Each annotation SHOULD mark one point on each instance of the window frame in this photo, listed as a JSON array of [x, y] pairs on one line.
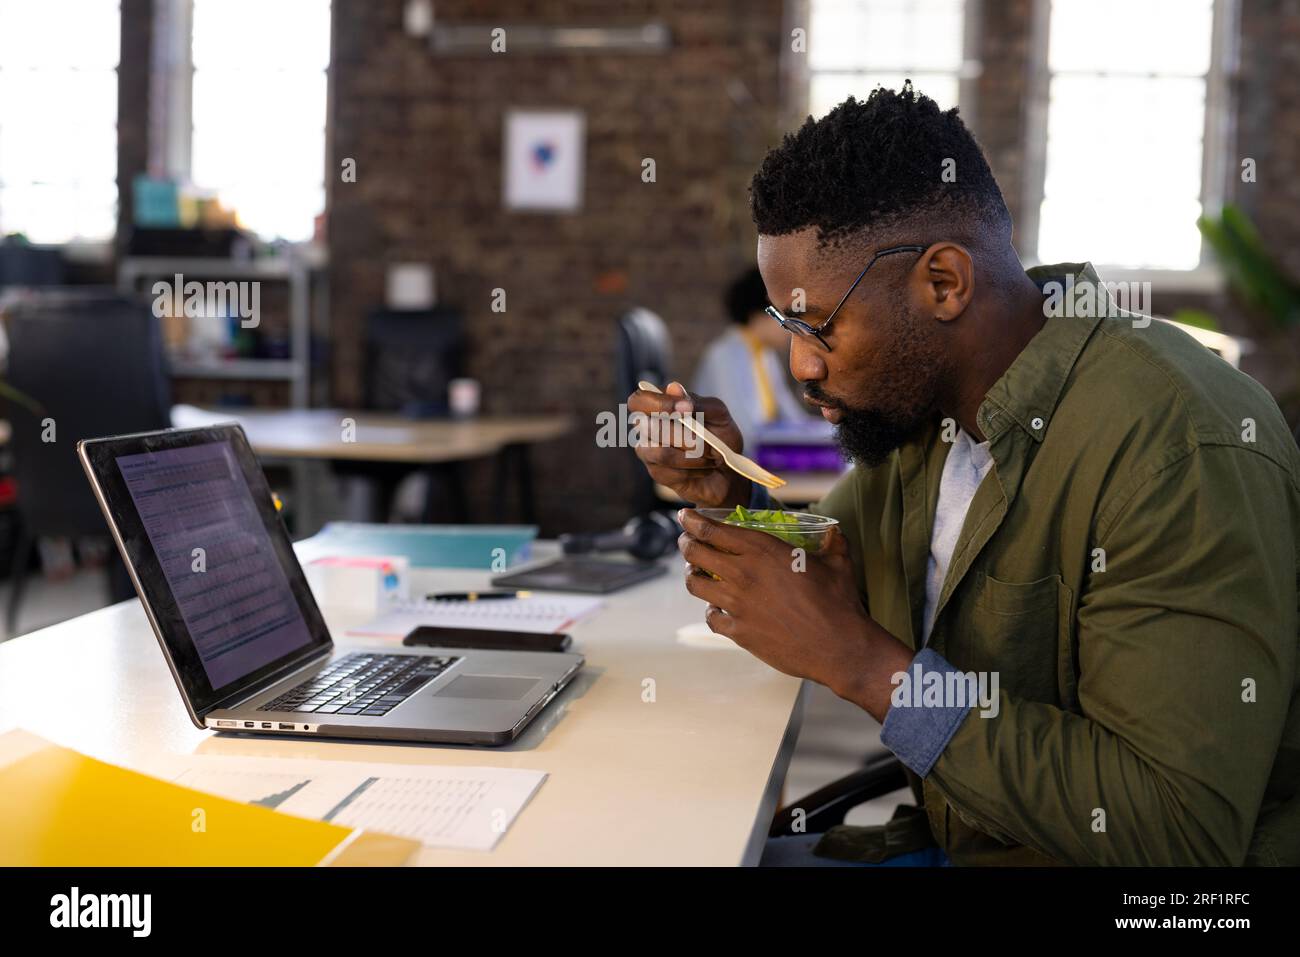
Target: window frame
[[171, 119], [967, 74], [1217, 138], [97, 251]]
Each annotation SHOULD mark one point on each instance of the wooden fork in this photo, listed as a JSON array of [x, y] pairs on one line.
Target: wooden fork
[[738, 463]]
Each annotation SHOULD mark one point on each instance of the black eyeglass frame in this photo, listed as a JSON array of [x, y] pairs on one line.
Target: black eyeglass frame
[[807, 329]]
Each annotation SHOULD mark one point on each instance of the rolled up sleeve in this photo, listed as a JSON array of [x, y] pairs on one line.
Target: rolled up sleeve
[[918, 735]]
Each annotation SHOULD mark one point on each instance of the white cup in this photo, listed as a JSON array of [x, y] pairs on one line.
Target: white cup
[[463, 397]]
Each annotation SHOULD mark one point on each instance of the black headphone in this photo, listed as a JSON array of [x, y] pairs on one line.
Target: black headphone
[[646, 537]]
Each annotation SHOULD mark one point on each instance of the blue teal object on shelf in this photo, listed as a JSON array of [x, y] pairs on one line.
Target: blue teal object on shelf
[[156, 202], [428, 546]]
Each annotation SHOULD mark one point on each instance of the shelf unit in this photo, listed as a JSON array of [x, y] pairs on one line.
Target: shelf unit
[[295, 267]]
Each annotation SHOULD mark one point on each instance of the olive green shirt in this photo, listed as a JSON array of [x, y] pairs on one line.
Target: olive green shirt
[[1129, 568]]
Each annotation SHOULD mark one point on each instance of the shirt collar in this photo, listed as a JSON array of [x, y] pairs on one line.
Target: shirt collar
[[1028, 392]]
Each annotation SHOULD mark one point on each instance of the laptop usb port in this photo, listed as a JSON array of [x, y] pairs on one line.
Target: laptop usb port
[[285, 727], [250, 724]]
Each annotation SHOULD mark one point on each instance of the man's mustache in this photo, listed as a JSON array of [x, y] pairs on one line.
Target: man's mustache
[[814, 394]]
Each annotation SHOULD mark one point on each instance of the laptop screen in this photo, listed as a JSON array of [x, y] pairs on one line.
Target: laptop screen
[[217, 558], [210, 557]]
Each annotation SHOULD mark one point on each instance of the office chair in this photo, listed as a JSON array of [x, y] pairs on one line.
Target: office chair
[[27, 266], [644, 351], [881, 774], [411, 356], [94, 364]]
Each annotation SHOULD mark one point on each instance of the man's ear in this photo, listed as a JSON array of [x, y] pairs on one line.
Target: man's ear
[[949, 280]]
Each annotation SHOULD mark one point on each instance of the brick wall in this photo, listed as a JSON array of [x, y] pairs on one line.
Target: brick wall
[[1268, 122], [1002, 92], [426, 134], [1267, 99]]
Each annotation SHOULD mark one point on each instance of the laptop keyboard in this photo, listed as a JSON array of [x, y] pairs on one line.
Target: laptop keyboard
[[362, 683]]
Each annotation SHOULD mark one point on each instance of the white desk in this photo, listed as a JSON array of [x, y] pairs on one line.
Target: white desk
[[690, 779]]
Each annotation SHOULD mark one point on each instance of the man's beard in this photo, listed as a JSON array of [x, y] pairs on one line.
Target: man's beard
[[867, 436]]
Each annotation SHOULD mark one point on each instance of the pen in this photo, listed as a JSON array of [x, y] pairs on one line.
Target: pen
[[476, 595]]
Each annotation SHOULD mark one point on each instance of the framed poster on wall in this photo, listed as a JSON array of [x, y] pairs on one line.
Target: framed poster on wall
[[543, 159]]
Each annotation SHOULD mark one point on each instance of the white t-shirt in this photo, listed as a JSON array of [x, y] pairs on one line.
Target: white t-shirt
[[967, 463]]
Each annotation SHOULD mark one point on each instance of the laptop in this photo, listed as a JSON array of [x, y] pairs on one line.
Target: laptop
[[196, 524]]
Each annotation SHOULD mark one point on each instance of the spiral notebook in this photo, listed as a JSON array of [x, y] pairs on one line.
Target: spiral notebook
[[536, 614]]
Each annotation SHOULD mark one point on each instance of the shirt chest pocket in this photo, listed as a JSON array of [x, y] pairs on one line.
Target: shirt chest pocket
[[1023, 631]]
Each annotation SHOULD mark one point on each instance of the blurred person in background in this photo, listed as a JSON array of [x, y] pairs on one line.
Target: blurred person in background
[[746, 368]]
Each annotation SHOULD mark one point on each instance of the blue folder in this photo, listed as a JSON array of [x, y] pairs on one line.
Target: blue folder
[[428, 546]]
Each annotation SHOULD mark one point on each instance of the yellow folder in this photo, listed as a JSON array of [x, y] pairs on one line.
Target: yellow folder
[[61, 808]]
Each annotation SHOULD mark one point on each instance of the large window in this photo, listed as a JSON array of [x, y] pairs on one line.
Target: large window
[[258, 110], [58, 119], [857, 45], [1125, 173]]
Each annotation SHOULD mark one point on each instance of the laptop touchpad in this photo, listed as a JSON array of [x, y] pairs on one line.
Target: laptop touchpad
[[492, 687]]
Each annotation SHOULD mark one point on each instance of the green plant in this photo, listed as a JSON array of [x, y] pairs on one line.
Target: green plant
[[1250, 266], [1271, 299]]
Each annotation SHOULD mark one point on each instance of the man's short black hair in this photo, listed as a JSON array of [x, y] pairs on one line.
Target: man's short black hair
[[746, 295], [879, 165]]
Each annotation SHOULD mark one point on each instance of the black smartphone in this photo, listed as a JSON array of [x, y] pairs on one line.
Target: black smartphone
[[439, 636]]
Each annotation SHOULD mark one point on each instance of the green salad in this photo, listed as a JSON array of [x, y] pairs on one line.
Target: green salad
[[761, 517]]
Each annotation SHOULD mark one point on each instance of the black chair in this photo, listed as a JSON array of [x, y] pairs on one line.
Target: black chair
[[827, 807], [29, 266], [644, 351], [93, 364], [411, 358]]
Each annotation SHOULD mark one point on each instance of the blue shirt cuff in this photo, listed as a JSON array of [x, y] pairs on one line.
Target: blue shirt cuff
[[758, 497], [916, 733]]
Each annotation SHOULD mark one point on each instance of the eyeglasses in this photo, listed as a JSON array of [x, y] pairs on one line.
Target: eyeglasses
[[802, 328]]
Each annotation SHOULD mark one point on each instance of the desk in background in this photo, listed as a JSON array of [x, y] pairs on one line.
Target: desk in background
[[318, 434], [690, 778]]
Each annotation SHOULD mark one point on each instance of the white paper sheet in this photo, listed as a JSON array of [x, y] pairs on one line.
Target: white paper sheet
[[537, 614], [458, 807]]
